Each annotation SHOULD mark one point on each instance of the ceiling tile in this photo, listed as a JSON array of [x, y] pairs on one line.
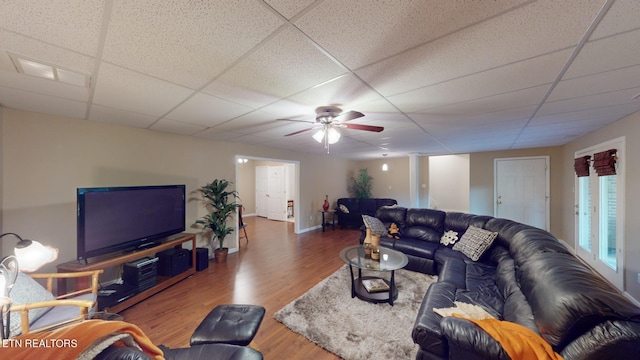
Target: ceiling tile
[[188, 43], [620, 79], [120, 117], [390, 26], [508, 38], [73, 25], [607, 99], [176, 127], [127, 90], [622, 16], [206, 110], [289, 8], [283, 66], [30, 101], [44, 86]]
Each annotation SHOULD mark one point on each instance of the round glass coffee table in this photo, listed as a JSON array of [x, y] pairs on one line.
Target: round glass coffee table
[[390, 260]]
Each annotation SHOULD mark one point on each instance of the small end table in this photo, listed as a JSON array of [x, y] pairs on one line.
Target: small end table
[[333, 219]]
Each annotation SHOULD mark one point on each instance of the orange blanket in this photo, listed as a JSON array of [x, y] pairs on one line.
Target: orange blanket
[[517, 341], [78, 341]]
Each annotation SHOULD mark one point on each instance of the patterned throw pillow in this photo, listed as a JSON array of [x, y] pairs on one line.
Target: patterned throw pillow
[[449, 238], [344, 209], [475, 242], [26, 290], [376, 226]]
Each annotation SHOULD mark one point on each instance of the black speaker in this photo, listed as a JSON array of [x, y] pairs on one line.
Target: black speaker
[[202, 259], [172, 262]]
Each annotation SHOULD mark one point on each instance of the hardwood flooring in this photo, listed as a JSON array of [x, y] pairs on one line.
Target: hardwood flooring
[[274, 268]]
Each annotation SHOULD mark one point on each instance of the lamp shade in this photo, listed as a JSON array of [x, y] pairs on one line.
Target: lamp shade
[[319, 135], [333, 136], [33, 256]]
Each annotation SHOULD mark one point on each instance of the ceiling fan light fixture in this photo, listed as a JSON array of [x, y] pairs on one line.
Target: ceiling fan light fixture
[[319, 135], [333, 136]]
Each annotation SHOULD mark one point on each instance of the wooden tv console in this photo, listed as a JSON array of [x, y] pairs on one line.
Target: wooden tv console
[[163, 282]]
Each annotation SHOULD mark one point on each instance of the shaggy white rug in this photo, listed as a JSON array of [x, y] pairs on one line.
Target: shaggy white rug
[[355, 329]]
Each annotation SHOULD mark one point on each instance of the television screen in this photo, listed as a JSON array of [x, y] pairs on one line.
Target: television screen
[[117, 218]]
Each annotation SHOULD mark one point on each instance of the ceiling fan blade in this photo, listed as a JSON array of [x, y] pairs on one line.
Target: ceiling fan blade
[[299, 132], [363, 127], [302, 121], [349, 115]]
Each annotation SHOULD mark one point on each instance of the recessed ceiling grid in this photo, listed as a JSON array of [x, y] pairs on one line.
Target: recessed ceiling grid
[[434, 74]]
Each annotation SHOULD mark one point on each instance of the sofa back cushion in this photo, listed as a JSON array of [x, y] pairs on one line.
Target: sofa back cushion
[[389, 215], [506, 229], [424, 224], [385, 202], [568, 298], [352, 204], [459, 222]]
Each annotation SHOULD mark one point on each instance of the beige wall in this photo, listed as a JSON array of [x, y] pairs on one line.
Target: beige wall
[[393, 184], [45, 158], [629, 127], [482, 187]]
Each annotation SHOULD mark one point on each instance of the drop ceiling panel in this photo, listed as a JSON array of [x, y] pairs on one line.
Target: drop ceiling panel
[[44, 86], [607, 54], [340, 26], [285, 65], [507, 39], [120, 117], [620, 79], [176, 127], [604, 114], [346, 91], [206, 110], [521, 75], [131, 91], [622, 16], [185, 42], [72, 25], [252, 123], [289, 8], [30, 101], [590, 102]]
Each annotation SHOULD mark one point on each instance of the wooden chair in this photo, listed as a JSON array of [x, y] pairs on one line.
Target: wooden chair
[[63, 309], [242, 225]]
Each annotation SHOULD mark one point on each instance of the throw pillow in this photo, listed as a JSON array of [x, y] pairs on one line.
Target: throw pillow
[[344, 209], [475, 242], [449, 238], [26, 290], [376, 226]]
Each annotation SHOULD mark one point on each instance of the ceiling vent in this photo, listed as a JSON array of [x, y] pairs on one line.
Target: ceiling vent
[[43, 70]]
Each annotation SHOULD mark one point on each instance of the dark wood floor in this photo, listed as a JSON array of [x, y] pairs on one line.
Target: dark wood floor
[[275, 267]]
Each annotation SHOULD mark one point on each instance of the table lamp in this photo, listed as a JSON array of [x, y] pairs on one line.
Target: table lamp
[[29, 256]]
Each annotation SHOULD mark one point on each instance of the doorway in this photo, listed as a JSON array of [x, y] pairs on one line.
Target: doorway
[[253, 192], [522, 190]]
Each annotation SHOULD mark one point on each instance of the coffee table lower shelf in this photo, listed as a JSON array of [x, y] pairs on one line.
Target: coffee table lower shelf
[[375, 297]]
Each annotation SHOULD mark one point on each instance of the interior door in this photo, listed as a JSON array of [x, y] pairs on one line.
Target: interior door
[[522, 190], [262, 190], [276, 195]]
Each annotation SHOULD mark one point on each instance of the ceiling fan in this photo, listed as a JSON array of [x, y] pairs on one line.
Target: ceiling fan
[[328, 120]]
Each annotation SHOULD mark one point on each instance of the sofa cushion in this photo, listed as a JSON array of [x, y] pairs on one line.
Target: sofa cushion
[[27, 290], [429, 218], [474, 242], [368, 206], [568, 298], [375, 225], [389, 215], [415, 247], [516, 308], [459, 222], [61, 314]]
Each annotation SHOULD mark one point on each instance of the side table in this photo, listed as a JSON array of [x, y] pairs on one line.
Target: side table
[[325, 221]]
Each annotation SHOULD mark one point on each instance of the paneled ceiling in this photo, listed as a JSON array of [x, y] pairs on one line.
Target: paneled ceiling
[[441, 77]]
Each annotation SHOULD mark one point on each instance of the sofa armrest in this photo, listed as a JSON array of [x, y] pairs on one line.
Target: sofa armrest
[[468, 341]]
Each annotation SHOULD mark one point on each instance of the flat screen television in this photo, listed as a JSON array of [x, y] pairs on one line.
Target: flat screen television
[[111, 219]]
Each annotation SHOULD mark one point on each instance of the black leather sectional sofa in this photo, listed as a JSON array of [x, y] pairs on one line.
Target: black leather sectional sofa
[[527, 276], [350, 210]]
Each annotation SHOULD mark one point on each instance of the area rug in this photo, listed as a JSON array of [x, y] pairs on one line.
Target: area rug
[[355, 329]]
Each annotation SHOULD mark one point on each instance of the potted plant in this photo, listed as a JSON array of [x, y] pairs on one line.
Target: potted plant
[[360, 187], [221, 203]]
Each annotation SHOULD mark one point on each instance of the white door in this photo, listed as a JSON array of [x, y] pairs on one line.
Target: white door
[[262, 190], [522, 190], [599, 211], [276, 195]]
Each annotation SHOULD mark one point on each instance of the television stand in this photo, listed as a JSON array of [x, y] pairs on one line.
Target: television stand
[[162, 283]]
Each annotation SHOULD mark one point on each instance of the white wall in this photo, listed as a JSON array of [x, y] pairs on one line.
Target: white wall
[[449, 182]]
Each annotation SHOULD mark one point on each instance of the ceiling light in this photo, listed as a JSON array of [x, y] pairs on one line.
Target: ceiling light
[[49, 71], [333, 135], [318, 136], [385, 167]]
